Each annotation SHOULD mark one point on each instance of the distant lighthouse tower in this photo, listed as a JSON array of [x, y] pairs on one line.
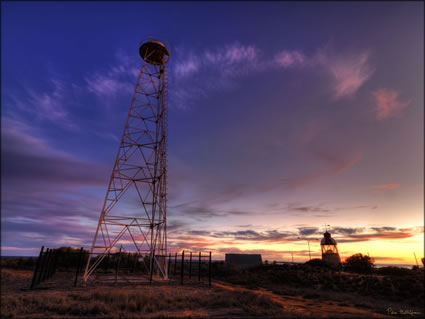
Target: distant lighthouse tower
[[330, 253]]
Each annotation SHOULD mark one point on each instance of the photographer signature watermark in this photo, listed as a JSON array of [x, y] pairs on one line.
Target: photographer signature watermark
[[410, 312]]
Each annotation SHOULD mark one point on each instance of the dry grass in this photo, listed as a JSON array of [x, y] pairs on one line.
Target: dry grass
[[132, 303], [283, 298], [388, 287]]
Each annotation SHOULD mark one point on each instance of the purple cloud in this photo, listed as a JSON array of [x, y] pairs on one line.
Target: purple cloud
[[27, 157], [286, 59]]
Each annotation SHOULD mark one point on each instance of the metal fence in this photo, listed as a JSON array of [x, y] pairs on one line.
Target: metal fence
[[50, 259], [190, 265], [184, 267]]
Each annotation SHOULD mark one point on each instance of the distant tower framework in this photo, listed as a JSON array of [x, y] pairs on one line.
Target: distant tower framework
[[134, 211]]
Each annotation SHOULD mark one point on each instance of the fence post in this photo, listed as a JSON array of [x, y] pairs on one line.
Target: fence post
[[78, 266], [42, 262], [175, 265], [128, 262], [152, 265], [45, 263], [136, 257], [169, 263], [117, 266], [49, 258], [50, 269], [199, 268], [55, 261], [209, 272], [52, 252], [182, 269], [46, 267], [190, 266], [83, 260], [37, 265]]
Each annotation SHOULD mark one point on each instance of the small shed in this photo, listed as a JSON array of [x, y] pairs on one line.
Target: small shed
[[243, 260]]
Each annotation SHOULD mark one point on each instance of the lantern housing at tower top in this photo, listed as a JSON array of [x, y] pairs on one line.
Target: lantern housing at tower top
[[154, 52]]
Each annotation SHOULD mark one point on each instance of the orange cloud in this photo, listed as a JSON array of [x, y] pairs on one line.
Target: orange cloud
[[386, 186], [387, 104]]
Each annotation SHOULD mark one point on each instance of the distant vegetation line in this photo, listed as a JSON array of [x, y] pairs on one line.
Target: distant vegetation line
[[377, 265]]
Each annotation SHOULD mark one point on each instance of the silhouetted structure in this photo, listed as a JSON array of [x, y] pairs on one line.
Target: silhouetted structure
[[243, 260], [330, 253]]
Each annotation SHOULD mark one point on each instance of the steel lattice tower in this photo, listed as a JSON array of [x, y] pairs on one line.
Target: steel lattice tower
[[134, 211]]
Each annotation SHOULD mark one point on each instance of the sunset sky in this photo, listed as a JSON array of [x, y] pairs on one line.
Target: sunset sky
[[283, 117]]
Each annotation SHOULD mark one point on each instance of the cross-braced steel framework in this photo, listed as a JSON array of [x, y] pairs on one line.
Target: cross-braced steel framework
[[134, 211]]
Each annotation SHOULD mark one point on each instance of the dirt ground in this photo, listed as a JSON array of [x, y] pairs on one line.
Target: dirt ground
[[133, 297]]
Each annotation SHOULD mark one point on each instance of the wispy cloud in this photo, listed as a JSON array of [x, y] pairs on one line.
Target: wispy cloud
[[306, 231], [337, 165], [247, 235], [118, 79], [228, 61], [384, 229], [214, 238], [388, 104], [187, 67], [235, 57], [360, 234], [341, 234], [211, 197], [198, 74], [347, 230], [349, 73], [201, 210], [26, 155], [50, 104], [44, 202], [287, 59], [386, 186], [106, 85], [318, 210], [309, 209]]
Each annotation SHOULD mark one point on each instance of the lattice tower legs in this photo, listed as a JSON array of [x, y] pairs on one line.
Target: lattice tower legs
[[134, 211]]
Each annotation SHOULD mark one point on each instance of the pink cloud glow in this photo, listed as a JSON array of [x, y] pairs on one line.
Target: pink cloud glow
[[349, 74], [387, 103], [386, 186], [290, 58]]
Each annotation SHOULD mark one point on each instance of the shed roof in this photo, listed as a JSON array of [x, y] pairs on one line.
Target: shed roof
[[243, 260]]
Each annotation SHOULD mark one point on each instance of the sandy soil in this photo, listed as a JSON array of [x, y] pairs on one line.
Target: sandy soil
[[314, 308]]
